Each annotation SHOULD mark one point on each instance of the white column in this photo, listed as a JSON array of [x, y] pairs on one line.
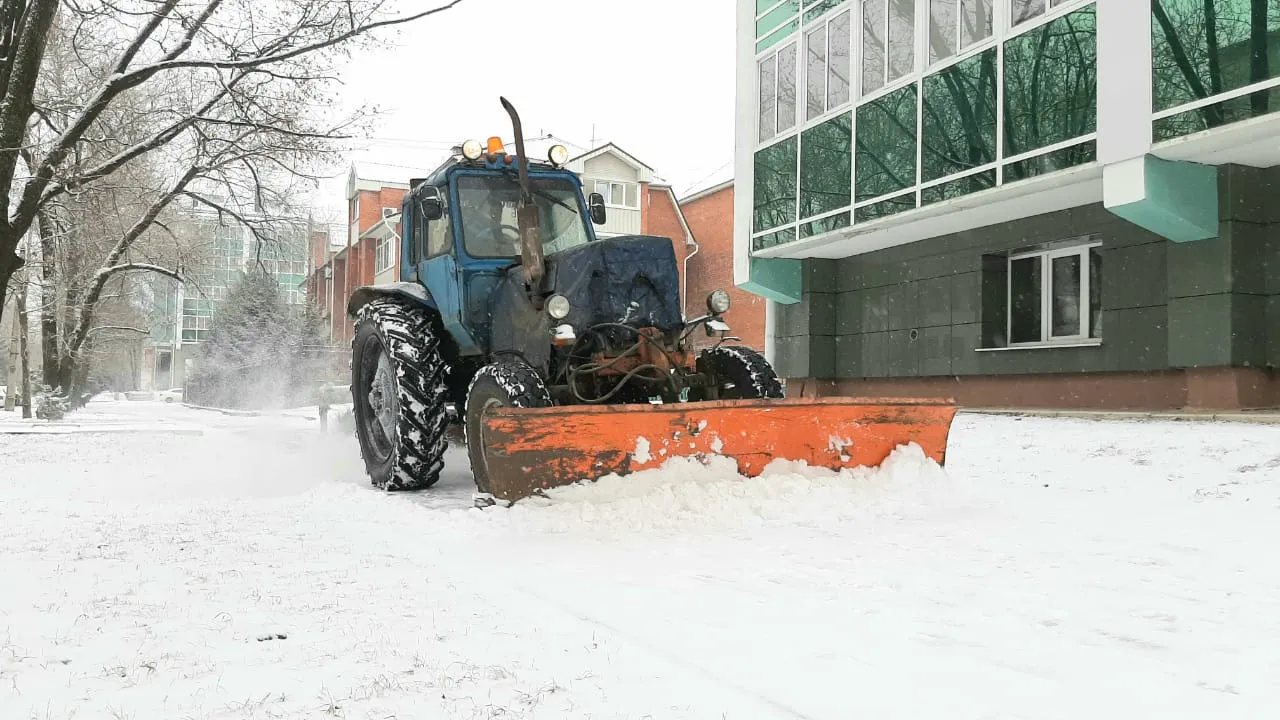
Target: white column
[[1124, 80], [744, 140]]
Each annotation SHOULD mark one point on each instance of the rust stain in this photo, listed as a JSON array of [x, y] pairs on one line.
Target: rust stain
[[538, 449]]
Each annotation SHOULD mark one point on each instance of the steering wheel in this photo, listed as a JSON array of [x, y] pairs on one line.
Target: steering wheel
[[514, 231]]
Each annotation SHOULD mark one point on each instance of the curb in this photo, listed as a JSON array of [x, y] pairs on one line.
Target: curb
[[1253, 417], [225, 411]]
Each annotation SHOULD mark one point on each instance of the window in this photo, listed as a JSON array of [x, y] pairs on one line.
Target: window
[[1021, 11], [384, 254], [619, 194], [888, 42], [827, 66], [956, 25], [1200, 50], [1055, 295], [1050, 84], [777, 87]]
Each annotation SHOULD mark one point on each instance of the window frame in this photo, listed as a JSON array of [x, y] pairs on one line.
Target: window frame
[[823, 24], [794, 44], [609, 184], [1083, 250]]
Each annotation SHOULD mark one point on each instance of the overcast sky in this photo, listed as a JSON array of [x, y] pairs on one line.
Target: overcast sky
[[654, 77]]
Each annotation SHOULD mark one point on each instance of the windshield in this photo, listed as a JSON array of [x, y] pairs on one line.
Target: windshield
[[487, 204]]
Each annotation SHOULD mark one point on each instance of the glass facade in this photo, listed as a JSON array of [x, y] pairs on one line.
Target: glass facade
[[232, 248], [1203, 50], [872, 108]]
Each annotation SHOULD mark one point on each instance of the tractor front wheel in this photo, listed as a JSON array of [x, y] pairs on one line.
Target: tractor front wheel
[[397, 391], [740, 373], [505, 383]]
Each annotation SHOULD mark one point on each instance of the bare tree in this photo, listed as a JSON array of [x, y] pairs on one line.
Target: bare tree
[[218, 103], [227, 92]]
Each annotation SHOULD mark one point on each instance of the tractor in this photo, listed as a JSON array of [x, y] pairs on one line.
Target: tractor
[[563, 356]]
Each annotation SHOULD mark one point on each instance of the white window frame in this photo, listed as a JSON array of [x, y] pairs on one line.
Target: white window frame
[[608, 194], [780, 133], [1047, 256], [828, 110], [384, 257]]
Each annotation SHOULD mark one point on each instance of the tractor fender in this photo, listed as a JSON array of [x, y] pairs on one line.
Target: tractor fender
[[412, 292]]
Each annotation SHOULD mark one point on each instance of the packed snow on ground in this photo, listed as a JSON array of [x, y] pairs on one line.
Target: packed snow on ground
[[211, 566]]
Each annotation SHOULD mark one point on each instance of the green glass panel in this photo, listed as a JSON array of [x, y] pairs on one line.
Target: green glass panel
[[1227, 111], [762, 5], [815, 9], [960, 117], [773, 239], [886, 152], [777, 17], [1060, 159], [885, 208], [825, 225], [1050, 83], [782, 34], [775, 185], [1200, 49], [956, 188], [826, 166]]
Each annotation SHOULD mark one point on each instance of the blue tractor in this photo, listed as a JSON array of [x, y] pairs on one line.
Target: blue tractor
[[508, 300]]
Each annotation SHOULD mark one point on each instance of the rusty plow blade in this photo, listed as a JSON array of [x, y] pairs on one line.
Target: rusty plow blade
[[529, 450]]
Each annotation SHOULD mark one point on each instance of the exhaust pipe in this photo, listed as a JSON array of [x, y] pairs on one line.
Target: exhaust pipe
[[527, 217]]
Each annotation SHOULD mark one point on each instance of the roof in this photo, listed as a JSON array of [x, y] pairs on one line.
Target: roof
[[706, 192], [611, 147]]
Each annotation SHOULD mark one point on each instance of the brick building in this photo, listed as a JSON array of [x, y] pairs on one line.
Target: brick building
[[709, 267], [360, 256]]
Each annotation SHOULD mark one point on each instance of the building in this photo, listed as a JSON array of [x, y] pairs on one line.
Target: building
[[181, 314], [709, 267], [1014, 202], [369, 253]]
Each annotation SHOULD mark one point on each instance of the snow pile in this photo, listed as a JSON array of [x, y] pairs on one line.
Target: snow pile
[[688, 495]]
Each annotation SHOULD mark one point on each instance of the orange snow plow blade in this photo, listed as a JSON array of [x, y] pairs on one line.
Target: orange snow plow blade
[[530, 450]]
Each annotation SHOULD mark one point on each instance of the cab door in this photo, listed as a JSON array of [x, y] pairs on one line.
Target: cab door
[[439, 271]]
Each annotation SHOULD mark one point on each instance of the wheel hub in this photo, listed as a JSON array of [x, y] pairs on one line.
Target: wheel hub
[[382, 400]]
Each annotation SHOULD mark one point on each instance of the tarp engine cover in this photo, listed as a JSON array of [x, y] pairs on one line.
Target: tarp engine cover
[[632, 280]]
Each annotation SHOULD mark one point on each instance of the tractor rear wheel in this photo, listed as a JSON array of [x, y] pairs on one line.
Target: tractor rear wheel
[[397, 388], [505, 383], [740, 373]]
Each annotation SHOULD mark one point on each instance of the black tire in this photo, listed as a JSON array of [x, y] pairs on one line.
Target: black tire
[[411, 455], [740, 373], [504, 383]]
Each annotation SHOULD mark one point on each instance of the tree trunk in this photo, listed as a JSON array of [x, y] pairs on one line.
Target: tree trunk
[[9, 264], [49, 296], [1260, 60], [24, 357]]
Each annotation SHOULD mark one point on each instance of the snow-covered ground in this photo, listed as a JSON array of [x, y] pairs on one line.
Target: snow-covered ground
[[210, 566]]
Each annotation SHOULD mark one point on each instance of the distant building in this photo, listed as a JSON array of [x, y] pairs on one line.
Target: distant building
[[182, 313]]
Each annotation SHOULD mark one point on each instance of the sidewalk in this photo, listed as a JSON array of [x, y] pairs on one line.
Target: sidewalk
[[1262, 416]]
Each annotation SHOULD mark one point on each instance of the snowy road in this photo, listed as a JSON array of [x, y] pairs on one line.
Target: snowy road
[[204, 566]]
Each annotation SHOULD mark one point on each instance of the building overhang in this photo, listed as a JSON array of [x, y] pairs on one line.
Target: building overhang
[[1254, 142]]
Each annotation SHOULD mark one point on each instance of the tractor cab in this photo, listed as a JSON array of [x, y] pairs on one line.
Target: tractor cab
[[462, 233]]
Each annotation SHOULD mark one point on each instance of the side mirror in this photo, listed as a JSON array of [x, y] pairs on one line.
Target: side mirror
[[595, 201], [430, 203]]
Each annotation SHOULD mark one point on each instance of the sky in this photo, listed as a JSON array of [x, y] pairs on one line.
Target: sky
[[656, 78]]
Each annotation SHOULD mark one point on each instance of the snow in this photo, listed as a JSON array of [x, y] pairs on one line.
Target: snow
[[1056, 568]]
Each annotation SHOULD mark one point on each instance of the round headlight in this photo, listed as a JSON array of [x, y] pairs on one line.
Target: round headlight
[[558, 307], [558, 155], [718, 302], [472, 149]]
